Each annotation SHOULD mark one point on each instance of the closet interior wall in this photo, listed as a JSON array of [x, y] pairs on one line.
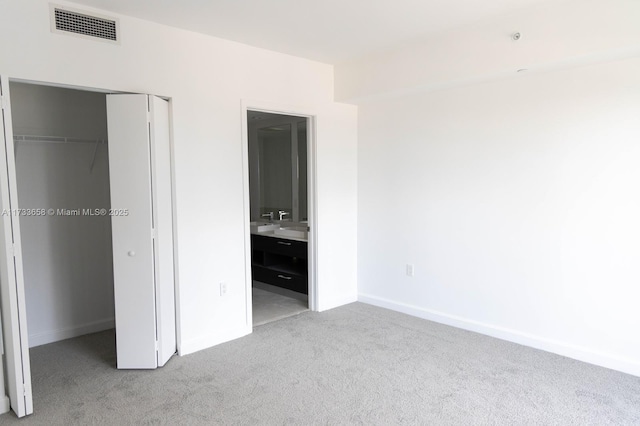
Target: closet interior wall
[[68, 265]]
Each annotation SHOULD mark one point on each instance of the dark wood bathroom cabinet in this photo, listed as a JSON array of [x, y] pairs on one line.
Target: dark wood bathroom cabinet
[[280, 262]]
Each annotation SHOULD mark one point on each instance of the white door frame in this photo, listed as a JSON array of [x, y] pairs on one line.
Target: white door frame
[[312, 210], [12, 290]]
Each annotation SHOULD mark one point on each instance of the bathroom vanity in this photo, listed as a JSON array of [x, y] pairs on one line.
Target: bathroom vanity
[[279, 261]]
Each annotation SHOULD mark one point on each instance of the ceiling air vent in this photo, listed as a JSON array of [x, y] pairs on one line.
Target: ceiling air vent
[[69, 21]]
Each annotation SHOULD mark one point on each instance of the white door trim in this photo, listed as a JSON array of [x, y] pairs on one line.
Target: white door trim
[[16, 337], [311, 114]]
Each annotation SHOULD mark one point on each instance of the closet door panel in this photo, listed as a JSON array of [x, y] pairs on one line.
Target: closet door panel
[[133, 251], [163, 218], [14, 316]]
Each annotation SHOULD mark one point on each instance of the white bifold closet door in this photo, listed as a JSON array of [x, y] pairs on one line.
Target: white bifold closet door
[[140, 180], [140, 177], [14, 312]]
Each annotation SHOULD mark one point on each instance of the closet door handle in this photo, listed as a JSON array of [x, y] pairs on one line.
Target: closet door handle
[[284, 277], [131, 253], [284, 243]]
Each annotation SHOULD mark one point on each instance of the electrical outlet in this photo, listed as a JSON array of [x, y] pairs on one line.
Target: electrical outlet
[[409, 270], [223, 289]]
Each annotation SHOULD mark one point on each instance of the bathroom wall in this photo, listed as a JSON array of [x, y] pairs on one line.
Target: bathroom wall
[[67, 259]]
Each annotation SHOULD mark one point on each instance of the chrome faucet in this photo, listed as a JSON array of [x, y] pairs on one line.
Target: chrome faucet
[[282, 214], [269, 215]]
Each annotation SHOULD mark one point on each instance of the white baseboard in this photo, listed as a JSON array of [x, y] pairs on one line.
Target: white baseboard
[[613, 362], [325, 305], [5, 405], [205, 342], [51, 336]]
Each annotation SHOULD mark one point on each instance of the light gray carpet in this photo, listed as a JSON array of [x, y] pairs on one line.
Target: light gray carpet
[[357, 364], [268, 306]]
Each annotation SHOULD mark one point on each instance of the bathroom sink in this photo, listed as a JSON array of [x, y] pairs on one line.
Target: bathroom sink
[[263, 226], [292, 231]]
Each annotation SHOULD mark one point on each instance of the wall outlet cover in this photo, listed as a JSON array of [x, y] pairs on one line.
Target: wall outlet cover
[[409, 270]]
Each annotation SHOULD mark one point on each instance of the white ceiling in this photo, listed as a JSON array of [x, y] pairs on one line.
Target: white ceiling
[[330, 31]]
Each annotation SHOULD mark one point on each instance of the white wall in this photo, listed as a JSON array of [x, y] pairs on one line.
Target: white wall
[[207, 80], [53, 111], [517, 201], [68, 270]]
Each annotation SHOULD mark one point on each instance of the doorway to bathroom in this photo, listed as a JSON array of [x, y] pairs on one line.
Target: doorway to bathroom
[[278, 172]]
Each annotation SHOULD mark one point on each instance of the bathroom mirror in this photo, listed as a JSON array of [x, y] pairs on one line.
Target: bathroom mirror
[[302, 170], [275, 168], [277, 165]]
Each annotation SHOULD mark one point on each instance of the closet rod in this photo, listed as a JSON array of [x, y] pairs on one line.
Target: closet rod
[[55, 139]]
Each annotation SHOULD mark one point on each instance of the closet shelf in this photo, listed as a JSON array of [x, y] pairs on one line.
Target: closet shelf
[[55, 139], [62, 139]]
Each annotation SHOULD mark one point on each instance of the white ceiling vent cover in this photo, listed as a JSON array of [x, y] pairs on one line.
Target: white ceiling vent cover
[[84, 24]]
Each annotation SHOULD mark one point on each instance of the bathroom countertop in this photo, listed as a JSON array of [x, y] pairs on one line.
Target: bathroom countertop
[[273, 235]]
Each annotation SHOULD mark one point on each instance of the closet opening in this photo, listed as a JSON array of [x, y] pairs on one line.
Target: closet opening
[[86, 234], [62, 176]]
